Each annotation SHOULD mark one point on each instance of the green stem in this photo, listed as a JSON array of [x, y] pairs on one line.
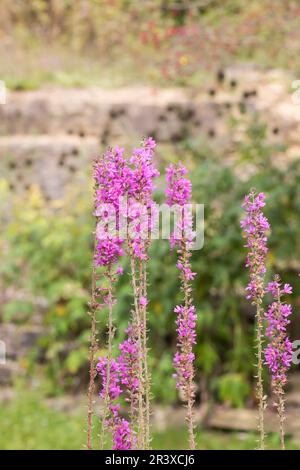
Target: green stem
[[92, 352], [259, 384]]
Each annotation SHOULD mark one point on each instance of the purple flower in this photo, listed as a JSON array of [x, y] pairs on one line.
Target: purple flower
[[123, 201], [287, 289], [179, 189], [114, 382], [272, 287], [255, 226], [143, 172], [143, 301], [128, 364], [186, 334], [112, 176], [122, 436], [278, 353], [178, 193], [122, 381], [108, 251]]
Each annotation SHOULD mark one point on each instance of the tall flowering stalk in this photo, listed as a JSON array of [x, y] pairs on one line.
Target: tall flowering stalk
[[124, 210], [178, 195], [255, 226], [108, 176], [93, 307], [140, 218], [278, 353]]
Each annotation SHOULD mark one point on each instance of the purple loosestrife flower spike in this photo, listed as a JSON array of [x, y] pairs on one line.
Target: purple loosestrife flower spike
[[255, 227], [179, 189], [278, 353], [141, 211], [141, 206], [124, 192], [111, 176], [178, 195]]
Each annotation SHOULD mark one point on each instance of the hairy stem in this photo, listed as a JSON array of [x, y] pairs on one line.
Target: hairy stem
[[281, 414], [92, 371], [190, 392], [109, 355], [259, 383], [92, 353], [137, 328], [190, 414], [143, 283]]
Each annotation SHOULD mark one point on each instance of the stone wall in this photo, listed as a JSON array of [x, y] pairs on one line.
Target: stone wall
[[47, 136]]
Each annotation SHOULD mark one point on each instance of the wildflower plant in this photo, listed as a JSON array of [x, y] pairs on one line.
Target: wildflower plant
[[125, 214], [108, 177], [140, 214], [255, 227], [279, 351], [178, 194], [126, 217]]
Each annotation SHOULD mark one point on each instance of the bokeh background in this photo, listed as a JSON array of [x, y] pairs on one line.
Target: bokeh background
[[214, 82]]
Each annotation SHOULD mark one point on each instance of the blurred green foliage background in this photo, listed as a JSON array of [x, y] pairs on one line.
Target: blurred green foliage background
[[164, 42]]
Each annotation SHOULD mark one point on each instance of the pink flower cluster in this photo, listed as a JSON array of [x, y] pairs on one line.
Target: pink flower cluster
[[112, 178], [121, 432], [143, 172], [128, 363], [123, 193], [278, 353], [179, 189], [114, 387], [186, 271], [122, 436], [184, 357], [141, 212], [179, 192], [122, 380], [178, 196], [108, 251], [255, 227]]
